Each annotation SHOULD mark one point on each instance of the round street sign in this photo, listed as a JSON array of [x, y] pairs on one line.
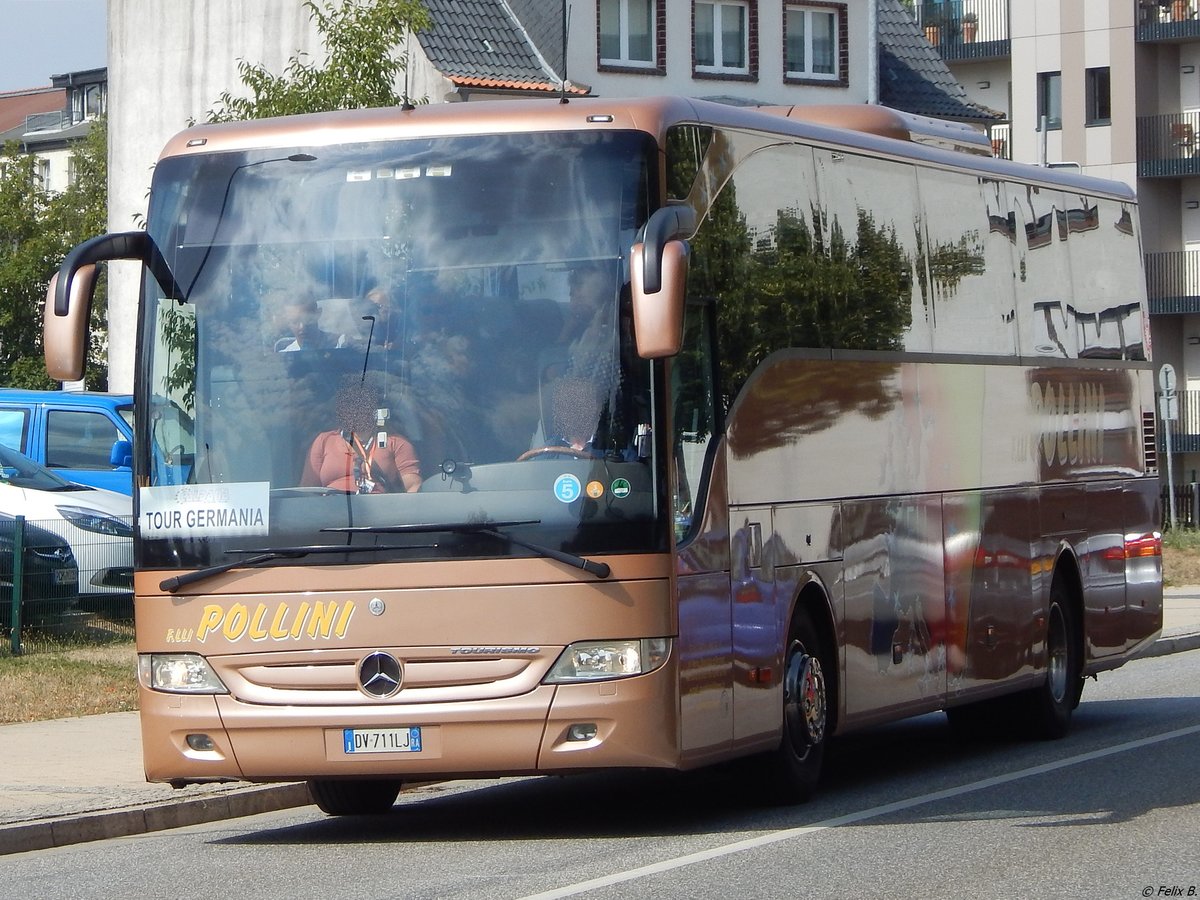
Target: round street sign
[[1166, 378]]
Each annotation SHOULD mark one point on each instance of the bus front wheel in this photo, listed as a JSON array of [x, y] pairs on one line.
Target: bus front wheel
[[353, 798], [796, 763]]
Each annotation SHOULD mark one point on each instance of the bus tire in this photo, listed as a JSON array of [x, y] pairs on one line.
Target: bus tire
[[795, 766], [1048, 708], [353, 798]]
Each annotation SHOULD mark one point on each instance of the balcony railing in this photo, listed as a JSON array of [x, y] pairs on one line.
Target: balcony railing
[[1002, 140], [966, 29], [1165, 20], [47, 121], [1168, 146], [1173, 282]]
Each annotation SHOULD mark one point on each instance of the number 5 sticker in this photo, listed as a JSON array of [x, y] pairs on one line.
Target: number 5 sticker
[[567, 488]]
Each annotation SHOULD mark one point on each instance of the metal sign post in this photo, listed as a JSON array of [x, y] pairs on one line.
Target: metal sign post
[[1168, 411]]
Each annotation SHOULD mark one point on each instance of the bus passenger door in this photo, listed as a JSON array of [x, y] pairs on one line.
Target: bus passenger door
[[757, 666]]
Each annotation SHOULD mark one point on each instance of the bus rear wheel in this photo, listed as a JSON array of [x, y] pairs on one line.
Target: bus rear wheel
[[1049, 706], [353, 798], [796, 764]]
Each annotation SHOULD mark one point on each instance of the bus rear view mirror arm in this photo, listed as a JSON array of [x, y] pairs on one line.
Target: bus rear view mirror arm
[[69, 297], [666, 224], [136, 245], [658, 272]]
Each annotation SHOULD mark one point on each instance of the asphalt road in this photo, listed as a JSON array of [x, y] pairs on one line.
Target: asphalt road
[[906, 811]]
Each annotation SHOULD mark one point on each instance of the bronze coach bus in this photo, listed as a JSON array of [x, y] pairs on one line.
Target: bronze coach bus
[[537, 437]]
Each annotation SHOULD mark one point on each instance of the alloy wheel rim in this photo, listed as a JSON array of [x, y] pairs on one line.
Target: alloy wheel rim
[[804, 701]]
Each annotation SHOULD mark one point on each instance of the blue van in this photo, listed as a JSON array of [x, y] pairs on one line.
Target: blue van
[[84, 436]]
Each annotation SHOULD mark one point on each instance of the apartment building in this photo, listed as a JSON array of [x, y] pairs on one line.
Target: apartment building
[[47, 121], [1111, 87]]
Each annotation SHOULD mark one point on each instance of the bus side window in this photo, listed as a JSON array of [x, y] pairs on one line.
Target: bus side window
[[693, 395]]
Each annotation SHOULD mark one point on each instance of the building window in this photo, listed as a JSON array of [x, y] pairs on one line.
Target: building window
[[722, 44], [72, 171], [629, 33], [1050, 99], [43, 173], [1099, 108], [814, 43]]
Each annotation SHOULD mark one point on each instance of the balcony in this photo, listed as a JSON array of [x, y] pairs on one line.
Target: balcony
[[1168, 146], [1173, 282], [1167, 20], [966, 29]]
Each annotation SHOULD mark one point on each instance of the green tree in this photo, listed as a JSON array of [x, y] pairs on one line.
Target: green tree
[[360, 37], [37, 228]]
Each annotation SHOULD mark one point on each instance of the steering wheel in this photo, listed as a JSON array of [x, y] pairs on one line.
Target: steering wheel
[[563, 451]]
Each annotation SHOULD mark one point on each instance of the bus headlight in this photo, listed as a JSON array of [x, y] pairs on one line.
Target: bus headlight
[[179, 673], [602, 660]]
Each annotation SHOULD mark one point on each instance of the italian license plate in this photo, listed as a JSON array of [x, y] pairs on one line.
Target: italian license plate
[[381, 740]]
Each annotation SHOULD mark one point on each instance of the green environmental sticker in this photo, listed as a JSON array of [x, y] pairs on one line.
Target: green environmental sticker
[[620, 488]]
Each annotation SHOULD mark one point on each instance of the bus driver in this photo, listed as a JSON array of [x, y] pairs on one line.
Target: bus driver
[[358, 456]]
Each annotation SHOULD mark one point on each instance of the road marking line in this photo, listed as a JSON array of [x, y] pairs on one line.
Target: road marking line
[[851, 818]]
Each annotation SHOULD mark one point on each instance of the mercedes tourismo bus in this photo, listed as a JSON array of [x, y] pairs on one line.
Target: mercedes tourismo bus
[[858, 425]]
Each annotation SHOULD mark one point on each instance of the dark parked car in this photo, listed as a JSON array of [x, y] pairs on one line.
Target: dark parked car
[[51, 577]]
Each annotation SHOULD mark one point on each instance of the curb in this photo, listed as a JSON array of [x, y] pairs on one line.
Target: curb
[[44, 834], [1179, 642]]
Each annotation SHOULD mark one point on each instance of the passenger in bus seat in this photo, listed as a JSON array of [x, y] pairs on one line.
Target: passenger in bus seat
[[360, 456], [302, 317]]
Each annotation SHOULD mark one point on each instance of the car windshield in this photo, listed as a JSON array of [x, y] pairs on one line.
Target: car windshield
[[419, 332], [20, 471]]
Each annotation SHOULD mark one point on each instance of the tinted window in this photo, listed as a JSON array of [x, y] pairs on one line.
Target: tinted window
[[13, 423], [79, 440]]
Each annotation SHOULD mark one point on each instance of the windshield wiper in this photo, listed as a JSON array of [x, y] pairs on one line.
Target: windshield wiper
[[491, 529], [174, 583]]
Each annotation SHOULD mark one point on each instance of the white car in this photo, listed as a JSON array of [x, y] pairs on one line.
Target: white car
[[96, 523]]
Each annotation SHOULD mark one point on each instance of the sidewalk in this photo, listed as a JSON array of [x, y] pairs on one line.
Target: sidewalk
[[68, 781]]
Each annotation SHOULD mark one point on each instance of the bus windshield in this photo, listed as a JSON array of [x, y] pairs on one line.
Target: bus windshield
[[425, 332]]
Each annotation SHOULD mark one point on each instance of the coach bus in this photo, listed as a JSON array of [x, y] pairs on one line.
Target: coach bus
[[539, 437]]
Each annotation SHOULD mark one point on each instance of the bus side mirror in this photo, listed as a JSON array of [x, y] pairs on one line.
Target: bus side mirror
[[658, 315], [658, 281], [65, 336]]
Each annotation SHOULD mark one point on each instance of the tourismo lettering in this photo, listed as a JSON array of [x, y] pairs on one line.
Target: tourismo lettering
[[281, 622]]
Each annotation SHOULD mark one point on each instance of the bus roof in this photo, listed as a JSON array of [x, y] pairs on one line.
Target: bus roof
[[870, 129]]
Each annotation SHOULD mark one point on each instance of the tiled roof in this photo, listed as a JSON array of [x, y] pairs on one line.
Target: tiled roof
[[517, 45], [913, 77], [480, 43]]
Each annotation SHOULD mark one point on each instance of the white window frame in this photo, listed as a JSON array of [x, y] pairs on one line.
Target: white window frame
[[807, 74], [623, 36], [717, 68]]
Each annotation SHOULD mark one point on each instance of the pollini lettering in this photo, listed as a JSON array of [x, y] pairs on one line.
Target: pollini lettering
[[276, 622], [1070, 423]]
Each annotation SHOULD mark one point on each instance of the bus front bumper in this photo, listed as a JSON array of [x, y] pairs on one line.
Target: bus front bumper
[[631, 722]]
